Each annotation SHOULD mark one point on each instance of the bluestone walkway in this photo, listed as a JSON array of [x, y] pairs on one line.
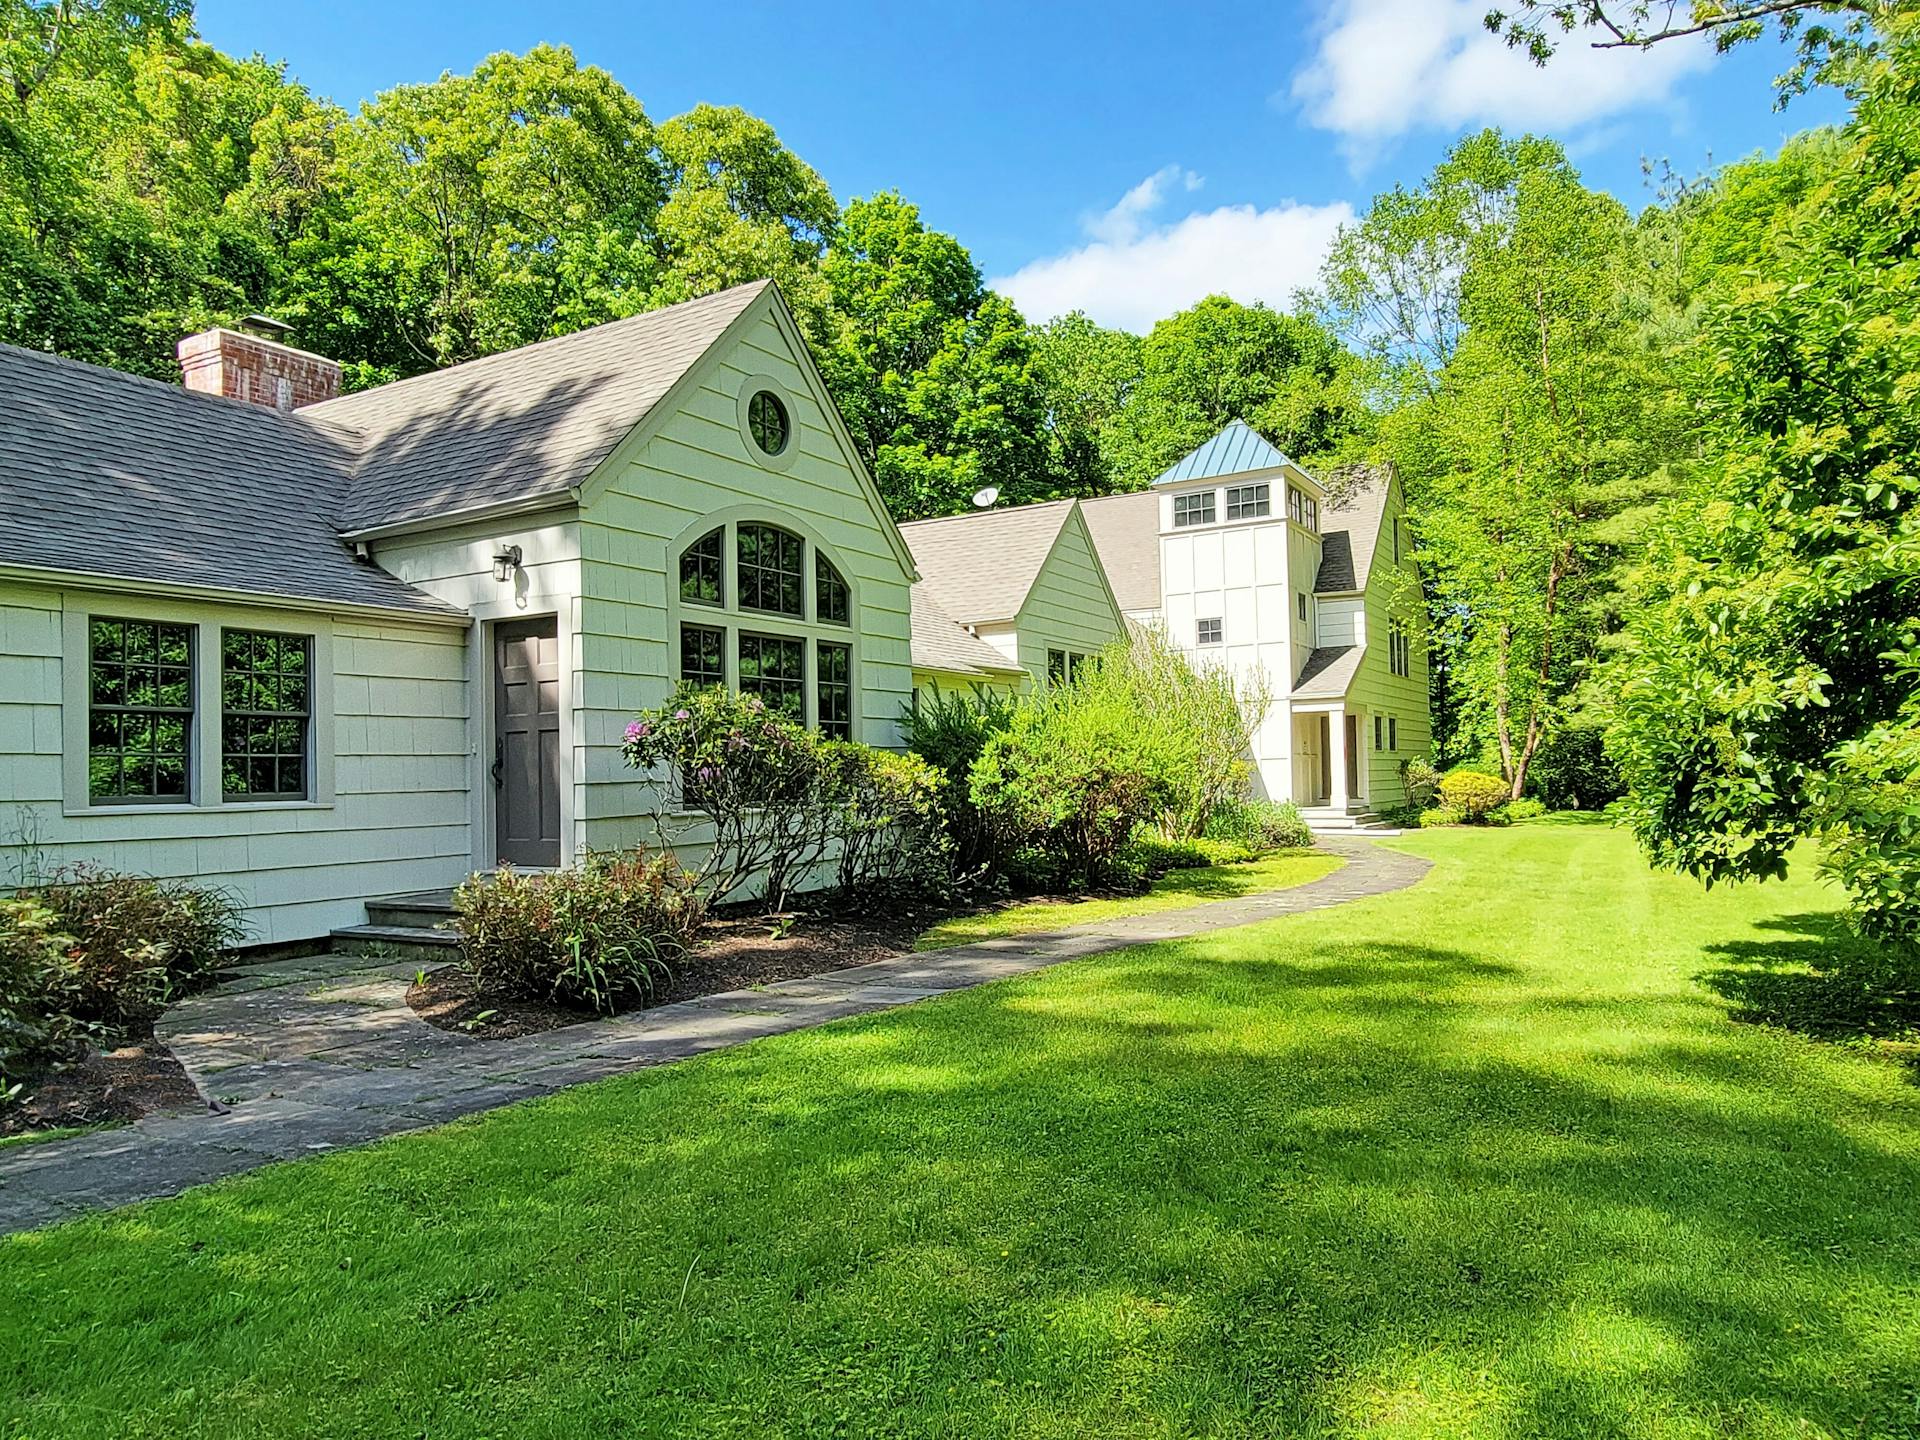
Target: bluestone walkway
[[305, 1055]]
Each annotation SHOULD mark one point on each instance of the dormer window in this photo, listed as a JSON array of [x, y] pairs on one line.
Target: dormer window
[[1193, 509], [1302, 508]]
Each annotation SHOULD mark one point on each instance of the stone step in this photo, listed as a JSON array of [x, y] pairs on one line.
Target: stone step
[[422, 909], [413, 940]]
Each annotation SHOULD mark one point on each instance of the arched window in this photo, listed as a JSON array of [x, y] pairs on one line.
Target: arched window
[[779, 625]]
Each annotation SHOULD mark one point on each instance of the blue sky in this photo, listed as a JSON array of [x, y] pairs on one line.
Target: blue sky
[[1125, 158]]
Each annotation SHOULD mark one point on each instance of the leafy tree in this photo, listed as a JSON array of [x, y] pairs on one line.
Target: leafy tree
[[1088, 374], [1285, 375], [740, 206], [1769, 691], [480, 212], [934, 373]]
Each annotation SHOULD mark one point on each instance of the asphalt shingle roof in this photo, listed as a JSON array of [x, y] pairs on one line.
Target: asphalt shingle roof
[[109, 474], [1328, 672], [104, 473], [980, 567], [1126, 533], [1350, 528], [941, 643]]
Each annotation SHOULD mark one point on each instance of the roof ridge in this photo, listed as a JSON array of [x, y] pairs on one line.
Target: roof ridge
[[978, 514], [164, 387], [316, 412]]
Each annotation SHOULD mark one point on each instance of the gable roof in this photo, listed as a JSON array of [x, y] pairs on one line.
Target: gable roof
[[941, 643], [981, 567], [113, 475], [519, 425], [1235, 450], [1126, 535], [1358, 502]]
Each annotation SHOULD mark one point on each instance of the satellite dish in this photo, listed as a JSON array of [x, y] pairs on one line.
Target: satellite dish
[[984, 498]]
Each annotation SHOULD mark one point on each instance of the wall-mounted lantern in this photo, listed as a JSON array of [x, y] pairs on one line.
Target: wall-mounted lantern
[[506, 563]]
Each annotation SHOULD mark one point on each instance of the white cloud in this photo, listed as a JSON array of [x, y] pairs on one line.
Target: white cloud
[[1384, 68], [1133, 272]]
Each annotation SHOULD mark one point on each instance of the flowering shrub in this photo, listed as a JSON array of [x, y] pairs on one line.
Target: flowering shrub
[[780, 800], [610, 928]]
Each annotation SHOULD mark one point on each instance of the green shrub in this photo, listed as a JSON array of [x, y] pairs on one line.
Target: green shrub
[[39, 983], [948, 730], [1198, 717], [1075, 774], [1226, 852], [887, 822], [1156, 855], [589, 937], [1263, 825], [1525, 808], [1473, 793], [1571, 770], [1421, 782], [1441, 815], [137, 942], [1402, 817]]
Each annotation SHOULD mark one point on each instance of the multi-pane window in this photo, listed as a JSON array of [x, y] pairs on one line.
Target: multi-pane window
[[831, 603], [1302, 508], [1194, 509], [703, 655], [700, 565], [833, 690], [1399, 649], [770, 570], [140, 711], [266, 688], [774, 668], [1247, 502], [1062, 664], [1210, 631]]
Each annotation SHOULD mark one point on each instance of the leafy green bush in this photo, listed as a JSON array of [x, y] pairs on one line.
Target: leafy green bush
[[1226, 852], [1263, 825], [1525, 808], [137, 942], [887, 821], [1199, 717], [1441, 815], [609, 928], [1420, 781], [1156, 855], [1571, 770], [1074, 775], [39, 983], [1474, 794], [948, 730]]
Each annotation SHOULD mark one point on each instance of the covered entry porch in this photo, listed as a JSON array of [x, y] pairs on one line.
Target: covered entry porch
[[1327, 750]]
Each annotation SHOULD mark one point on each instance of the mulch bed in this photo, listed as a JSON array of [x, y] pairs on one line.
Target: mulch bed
[[139, 1078], [737, 952]]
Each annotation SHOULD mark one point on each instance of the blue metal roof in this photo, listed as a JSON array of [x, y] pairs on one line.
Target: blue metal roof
[[1233, 451]]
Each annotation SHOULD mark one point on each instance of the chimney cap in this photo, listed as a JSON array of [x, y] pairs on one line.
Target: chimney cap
[[265, 326]]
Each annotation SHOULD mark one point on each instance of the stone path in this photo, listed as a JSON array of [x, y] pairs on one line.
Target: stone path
[[306, 1055]]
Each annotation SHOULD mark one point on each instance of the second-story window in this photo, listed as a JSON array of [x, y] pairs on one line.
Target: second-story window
[[1211, 631], [1302, 508], [1194, 509], [1249, 502]]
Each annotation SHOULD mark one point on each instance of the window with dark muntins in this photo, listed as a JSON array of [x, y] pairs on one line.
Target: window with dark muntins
[[833, 690], [1248, 502], [700, 565], [703, 655], [831, 603], [774, 668], [1194, 509], [767, 422], [770, 570], [140, 711], [266, 688]]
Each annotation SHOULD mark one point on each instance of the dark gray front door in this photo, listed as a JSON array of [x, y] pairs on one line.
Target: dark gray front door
[[526, 728]]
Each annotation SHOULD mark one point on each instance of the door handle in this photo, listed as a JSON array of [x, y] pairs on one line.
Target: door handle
[[499, 763]]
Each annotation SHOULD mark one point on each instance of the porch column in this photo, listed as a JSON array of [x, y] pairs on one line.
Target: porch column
[[1337, 759]]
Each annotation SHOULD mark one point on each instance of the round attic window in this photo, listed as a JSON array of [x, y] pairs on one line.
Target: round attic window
[[767, 422]]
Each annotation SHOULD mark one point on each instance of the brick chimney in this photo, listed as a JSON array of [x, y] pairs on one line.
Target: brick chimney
[[257, 370]]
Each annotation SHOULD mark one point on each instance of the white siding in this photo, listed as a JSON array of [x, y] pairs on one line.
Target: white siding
[[391, 708]]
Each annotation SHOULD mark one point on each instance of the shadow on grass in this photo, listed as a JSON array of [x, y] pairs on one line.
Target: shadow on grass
[[1822, 980]]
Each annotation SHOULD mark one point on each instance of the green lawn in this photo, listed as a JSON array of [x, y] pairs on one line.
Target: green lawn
[[1175, 890], [1487, 1157]]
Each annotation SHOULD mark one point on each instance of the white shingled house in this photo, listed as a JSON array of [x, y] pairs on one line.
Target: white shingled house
[[1247, 560], [321, 648]]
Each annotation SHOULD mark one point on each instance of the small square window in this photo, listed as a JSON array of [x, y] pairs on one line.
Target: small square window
[[1249, 502], [1194, 509], [1210, 631]]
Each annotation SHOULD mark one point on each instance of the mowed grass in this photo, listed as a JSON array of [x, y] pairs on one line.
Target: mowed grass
[[1481, 1158], [1175, 890]]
